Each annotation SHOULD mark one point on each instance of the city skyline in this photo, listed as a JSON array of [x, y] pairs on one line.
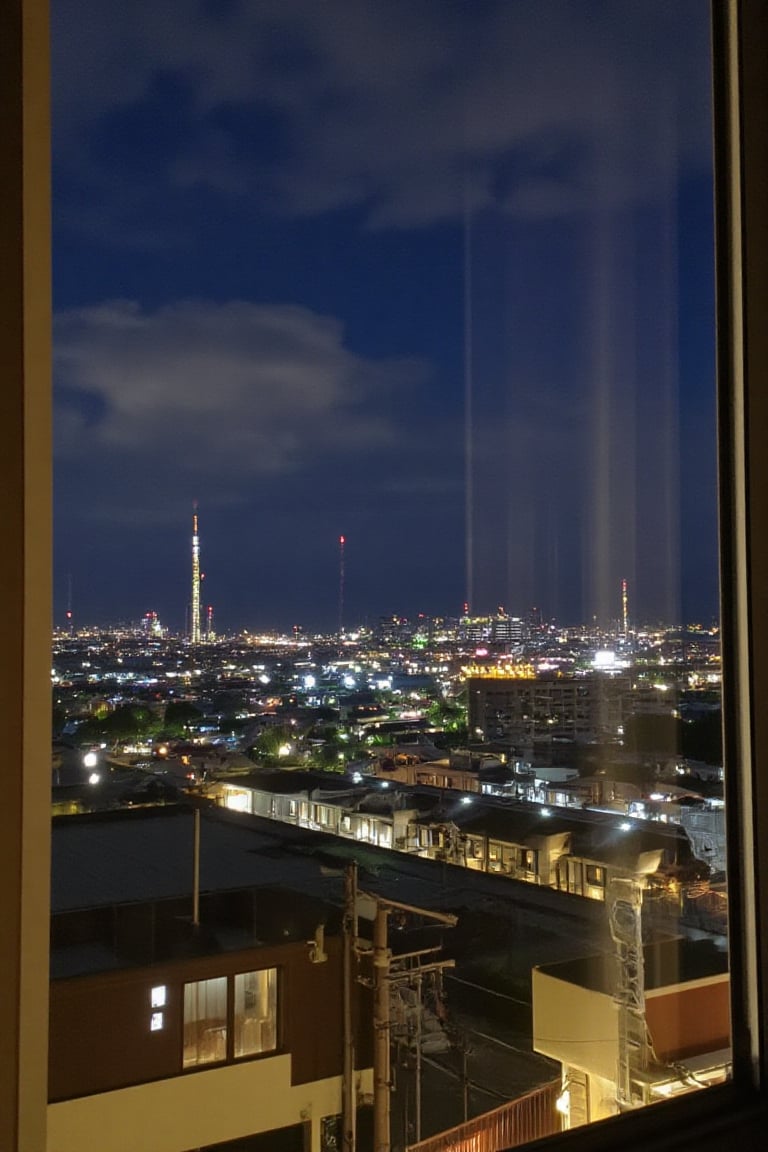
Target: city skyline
[[434, 278], [621, 624]]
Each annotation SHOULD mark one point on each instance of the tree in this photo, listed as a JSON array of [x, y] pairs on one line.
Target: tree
[[179, 716], [125, 723], [275, 745]]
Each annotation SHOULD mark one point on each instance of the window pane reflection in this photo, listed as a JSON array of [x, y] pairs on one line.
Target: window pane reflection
[[255, 1012], [448, 289], [205, 1021]]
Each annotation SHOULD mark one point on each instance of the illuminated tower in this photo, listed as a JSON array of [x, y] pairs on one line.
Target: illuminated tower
[[342, 542], [624, 609], [194, 631], [70, 618]]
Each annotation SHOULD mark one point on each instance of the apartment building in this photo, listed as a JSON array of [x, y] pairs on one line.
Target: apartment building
[[533, 716]]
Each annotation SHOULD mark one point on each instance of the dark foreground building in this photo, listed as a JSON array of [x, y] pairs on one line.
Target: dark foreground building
[[168, 1034]]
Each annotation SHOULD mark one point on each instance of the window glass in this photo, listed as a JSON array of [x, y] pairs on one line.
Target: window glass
[[255, 1017], [158, 996], [423, 292], [205, 1021]]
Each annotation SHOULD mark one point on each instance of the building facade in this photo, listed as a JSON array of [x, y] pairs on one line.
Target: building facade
[[532, 715]]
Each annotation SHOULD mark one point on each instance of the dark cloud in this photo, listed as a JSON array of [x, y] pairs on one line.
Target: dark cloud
[[216, 396], [406, 109]]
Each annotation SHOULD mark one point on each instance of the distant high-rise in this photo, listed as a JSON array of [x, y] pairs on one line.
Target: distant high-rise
[[194, 630]]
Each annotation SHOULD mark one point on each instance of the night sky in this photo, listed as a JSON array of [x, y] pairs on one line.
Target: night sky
[[431, 274]]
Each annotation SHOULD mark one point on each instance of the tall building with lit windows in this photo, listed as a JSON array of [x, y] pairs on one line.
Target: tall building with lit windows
[[536, 715]]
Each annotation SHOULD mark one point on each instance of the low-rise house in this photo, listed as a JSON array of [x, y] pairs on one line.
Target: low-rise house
[[682, 988]]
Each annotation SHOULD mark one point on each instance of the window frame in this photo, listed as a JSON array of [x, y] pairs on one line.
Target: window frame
[[737, 1110], [230, 1019], [740, 50], [734, 1111]]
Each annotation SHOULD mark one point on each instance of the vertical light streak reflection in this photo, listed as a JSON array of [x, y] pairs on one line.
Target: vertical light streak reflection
[[469, 531]]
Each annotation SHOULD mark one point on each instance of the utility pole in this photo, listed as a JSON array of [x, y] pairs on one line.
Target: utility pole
[[196, 869], [381, 1030], [382, 979], [349, 1095], [464, 1080], [418, 1059]]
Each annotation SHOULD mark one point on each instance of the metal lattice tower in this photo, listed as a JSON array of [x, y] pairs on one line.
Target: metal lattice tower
[[625, 904]]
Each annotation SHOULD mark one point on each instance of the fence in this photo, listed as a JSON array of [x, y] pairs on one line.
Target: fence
[[528, 1118]]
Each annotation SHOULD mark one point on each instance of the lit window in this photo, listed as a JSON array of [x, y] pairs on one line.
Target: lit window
[[158, 996], [205, 1021], [156, 1021], [255, 1015], [237, 800]]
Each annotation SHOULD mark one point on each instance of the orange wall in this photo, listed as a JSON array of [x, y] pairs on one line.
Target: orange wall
[[689, 1020]]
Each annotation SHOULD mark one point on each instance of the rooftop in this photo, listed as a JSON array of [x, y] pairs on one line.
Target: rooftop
[[666, 963]]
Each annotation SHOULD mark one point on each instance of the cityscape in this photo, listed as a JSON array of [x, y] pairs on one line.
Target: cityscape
[[387, 776], [479, 766]]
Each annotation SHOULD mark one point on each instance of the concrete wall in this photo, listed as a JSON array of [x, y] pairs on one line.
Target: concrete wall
[[189, 1112], [575, 1025]]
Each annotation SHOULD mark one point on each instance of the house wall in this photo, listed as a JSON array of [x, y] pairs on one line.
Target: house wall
[[687, 1019], [191, 1111], [579, 1028], [575, 1025], [100, 1037]]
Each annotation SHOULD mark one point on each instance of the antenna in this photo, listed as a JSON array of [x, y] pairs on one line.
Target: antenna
[[70, 622]]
